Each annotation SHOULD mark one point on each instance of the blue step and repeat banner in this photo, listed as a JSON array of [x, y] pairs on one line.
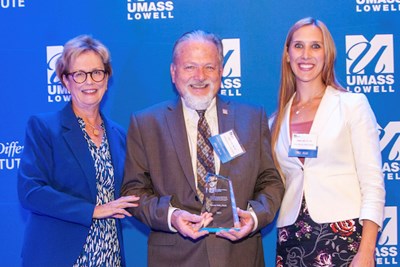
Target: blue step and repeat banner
[[140, 35]]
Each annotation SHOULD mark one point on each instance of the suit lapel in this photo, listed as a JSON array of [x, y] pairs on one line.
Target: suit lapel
[[329, 102], [177, 131], [285, 140], [226, 122], [79, 148]]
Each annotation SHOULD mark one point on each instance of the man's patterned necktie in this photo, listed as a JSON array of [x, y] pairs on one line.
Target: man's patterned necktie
[[205, 154]]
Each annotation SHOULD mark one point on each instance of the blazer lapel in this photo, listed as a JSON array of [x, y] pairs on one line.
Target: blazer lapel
[[226, 122], [285, 139], [177, 131], [79, 148], [329, 102]]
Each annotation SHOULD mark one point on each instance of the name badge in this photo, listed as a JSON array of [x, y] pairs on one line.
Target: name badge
[[303, 146], [227, 146]]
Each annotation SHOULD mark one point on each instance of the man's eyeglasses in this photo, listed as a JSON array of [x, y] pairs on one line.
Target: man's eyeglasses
[[81, 76]]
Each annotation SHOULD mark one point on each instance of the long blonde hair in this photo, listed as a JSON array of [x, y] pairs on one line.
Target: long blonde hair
[[288, 80]]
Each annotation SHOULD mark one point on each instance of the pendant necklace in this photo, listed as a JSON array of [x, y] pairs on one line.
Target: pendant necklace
[[308, 102], [301, 108], [96, 129]]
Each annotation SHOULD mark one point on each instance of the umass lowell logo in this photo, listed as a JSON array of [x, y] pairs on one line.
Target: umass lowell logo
[[149, 10], [370, 64], [231, 76], [386, 251], [390, 146], [56, 92]]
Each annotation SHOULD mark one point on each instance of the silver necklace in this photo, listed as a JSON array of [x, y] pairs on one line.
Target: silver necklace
[[95, 128]]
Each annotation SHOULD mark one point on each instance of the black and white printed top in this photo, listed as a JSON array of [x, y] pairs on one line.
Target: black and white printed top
[[102, 247]]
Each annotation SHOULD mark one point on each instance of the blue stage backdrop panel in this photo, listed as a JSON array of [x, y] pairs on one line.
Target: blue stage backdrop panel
[[140, 35]]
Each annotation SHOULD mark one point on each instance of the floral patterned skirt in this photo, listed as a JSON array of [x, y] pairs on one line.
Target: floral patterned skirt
[[309, 244]]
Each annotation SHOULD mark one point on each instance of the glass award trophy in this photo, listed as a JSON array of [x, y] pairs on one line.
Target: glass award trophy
[[219, 199]]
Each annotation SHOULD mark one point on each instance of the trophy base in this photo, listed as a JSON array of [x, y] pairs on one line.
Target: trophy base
[[216, 230]]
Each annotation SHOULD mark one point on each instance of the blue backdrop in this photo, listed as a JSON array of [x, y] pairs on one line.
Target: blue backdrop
[[140, 35]]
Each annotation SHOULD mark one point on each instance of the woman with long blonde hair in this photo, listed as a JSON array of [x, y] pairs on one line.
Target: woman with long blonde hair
[[326, 146]]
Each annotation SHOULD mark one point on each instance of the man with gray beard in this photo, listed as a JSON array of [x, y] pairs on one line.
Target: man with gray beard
[[164, 168]]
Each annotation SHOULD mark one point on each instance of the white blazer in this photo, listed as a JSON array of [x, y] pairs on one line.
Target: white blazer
[[345, 181]]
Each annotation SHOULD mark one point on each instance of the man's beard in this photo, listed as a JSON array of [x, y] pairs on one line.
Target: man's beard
[[198, 102]]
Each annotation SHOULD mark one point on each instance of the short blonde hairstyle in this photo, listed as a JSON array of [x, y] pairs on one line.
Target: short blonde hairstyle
[[75, 47]]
